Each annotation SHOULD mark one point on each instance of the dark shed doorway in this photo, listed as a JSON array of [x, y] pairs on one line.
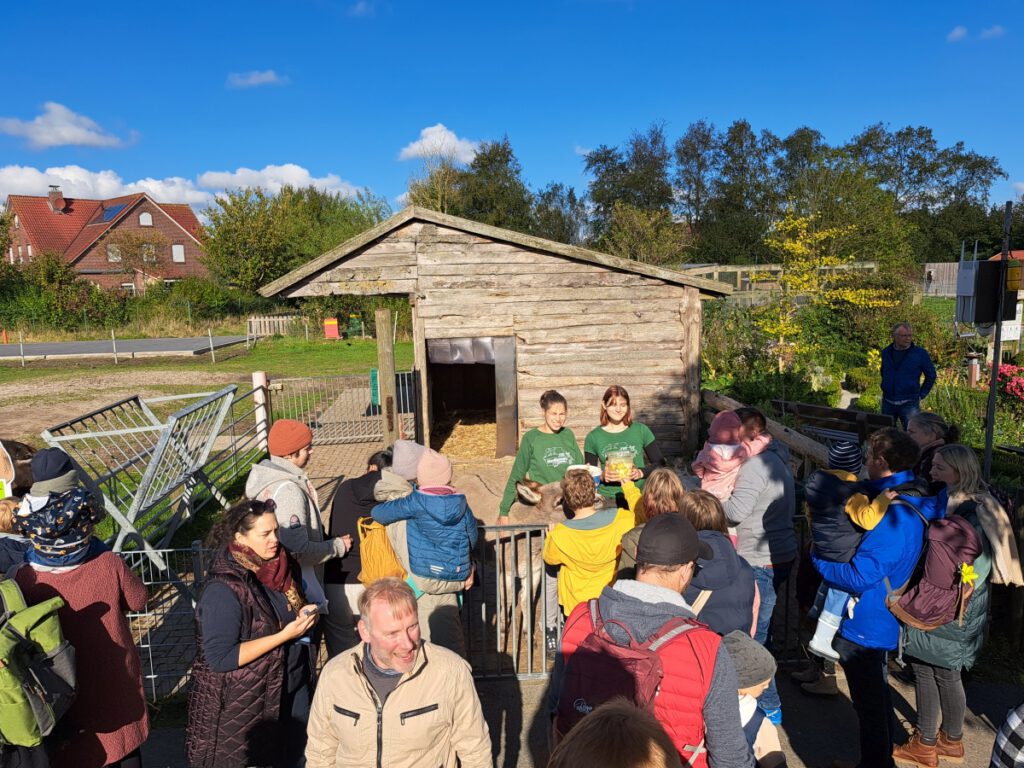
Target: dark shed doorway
[[473, 396]]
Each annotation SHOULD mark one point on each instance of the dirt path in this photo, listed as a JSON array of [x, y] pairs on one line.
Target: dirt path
[[27, 408]]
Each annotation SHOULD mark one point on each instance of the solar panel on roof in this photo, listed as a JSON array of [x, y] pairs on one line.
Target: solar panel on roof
[[111, 212]]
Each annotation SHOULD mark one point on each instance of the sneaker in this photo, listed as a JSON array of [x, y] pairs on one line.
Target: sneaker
[[551, 640], [948, 749], [774, 716], [823, 686], [915, 753]]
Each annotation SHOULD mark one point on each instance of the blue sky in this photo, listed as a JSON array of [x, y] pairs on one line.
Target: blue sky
[[185, 99]]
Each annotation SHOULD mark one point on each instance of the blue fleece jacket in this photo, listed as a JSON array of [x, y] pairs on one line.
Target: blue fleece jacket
[[441, 531], [890, 551], [902, 371]]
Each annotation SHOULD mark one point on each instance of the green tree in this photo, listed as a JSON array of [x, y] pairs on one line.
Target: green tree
[[317, 220], [491, 190], [140, 251], [558, 214], [637, 176], [6, 222], [651, 237], [246, 239], [699, 156]]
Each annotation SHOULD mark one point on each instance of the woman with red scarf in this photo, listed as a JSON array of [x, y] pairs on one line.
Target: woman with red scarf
[[251, 681]]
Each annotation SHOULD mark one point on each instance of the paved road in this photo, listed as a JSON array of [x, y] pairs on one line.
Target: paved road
[[125, 348]]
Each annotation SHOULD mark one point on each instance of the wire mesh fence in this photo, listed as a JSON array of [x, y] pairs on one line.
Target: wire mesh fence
[[343, 409]]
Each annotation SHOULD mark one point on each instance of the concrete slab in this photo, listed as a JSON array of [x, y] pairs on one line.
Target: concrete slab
[[126, 348]]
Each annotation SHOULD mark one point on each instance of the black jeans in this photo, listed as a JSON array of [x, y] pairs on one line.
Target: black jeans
[[869, 691], [940, 691]]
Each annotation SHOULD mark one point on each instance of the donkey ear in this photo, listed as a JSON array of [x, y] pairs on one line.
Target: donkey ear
[[529, 492]]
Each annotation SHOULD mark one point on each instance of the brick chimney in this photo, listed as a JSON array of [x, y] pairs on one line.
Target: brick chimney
[[56, 199]]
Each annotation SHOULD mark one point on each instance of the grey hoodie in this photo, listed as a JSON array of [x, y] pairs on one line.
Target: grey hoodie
[[298, 515]]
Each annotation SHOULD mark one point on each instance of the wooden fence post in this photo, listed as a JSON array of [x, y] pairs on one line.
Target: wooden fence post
[[261, 397], [386, 374]]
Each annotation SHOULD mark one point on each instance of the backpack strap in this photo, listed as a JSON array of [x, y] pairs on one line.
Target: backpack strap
[[668, 631], [701, 601]]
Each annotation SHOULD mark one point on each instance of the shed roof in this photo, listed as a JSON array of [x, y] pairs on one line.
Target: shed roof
[[329, 259]]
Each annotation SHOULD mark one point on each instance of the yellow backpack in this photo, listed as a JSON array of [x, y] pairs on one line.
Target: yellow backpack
[[376, 553]]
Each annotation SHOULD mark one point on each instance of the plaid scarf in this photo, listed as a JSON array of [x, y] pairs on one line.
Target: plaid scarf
[[273, 574]]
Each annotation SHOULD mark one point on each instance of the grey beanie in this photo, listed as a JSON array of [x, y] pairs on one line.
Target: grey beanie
[[405, 457], [754, 663]]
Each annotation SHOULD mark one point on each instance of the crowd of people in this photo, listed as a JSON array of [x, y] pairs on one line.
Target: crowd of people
[[662, 589]]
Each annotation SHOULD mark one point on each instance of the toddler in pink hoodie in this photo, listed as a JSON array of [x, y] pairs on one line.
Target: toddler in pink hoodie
[[728, 446]]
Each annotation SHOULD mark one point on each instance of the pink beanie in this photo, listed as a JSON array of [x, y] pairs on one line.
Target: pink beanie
[[434, 469], [725, 429], [288, 436]]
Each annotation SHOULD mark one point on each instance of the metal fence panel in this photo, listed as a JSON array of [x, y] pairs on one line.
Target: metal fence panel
[[340, 409]]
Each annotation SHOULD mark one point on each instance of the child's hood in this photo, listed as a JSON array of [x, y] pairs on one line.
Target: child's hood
[[442, 503], [721, 570]]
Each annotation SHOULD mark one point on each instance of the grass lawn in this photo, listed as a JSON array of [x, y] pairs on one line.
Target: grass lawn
[[279, 357]]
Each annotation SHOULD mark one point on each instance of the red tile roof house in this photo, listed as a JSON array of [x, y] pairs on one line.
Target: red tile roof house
[[79, 230]]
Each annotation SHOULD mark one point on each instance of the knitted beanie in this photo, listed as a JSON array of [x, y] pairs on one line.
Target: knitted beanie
[[434, 469], [754, 663], [725, 429], [50, 463], [845, 455], [288, 436], [405, 457]]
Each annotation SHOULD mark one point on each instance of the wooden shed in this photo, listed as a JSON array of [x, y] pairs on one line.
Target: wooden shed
[[499, 317]]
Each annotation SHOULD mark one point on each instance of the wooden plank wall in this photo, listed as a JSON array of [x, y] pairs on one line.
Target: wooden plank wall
[[579, 327]]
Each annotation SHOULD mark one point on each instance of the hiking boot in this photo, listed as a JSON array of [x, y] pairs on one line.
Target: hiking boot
[[916, 753], [823, 686], [948, 749]]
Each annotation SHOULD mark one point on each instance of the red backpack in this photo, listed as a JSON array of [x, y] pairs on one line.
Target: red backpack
[[936, 594], [600, 669]]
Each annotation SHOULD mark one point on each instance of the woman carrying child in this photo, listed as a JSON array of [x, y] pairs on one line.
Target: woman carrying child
[[619, 434], [939, 656], [727, 447]]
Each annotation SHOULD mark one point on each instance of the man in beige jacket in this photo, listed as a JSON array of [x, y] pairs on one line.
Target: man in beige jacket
[[394, 700]]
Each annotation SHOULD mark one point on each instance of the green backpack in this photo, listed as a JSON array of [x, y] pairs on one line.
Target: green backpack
[[37, 667]]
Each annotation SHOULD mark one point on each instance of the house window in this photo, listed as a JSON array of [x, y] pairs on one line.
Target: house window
[[128, 288], [149, 253], [145, 219], [21, 258], [10, 254], [30, 250], [16, 222], [113, 253], [178, 253]]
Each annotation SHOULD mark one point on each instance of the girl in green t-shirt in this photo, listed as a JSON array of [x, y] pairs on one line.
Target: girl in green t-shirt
[[544, 453], [618, 432]]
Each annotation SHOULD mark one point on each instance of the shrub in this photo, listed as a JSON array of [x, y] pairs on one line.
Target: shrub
[[861, 379]]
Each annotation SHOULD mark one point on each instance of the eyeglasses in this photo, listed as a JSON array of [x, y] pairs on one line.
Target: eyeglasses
[[264, 506]]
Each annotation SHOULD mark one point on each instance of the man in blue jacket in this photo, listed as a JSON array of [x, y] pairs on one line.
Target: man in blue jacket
[[887, 554], [903, 364]]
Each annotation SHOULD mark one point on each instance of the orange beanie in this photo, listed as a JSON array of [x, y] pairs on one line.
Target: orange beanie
[[288, 436]]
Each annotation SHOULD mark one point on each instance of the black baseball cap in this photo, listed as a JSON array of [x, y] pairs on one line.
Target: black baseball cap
[[670, 539]]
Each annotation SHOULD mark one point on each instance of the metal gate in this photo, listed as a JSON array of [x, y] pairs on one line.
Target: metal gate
[[344, 409]]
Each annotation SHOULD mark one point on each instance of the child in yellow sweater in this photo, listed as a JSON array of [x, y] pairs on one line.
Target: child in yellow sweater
[[586, 546]]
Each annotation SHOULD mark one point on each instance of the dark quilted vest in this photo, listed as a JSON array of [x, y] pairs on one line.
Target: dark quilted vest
[[233, 717]]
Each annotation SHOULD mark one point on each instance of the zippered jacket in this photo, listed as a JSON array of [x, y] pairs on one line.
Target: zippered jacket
[[431, 718], [902, 371]]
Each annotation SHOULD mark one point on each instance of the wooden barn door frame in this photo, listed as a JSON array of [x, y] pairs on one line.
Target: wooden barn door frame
[[419, 357], [506, 400]]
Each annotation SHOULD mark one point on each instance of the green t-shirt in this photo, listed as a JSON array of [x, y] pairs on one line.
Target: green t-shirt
[[633, 438], [542, 457]]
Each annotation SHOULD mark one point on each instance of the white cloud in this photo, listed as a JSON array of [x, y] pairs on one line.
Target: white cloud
[[437, 140], [76, 181], [991, 33], [255, 79], [1019, 186], [362, 8], [581, 151], [402, 200], [956, 34], [273, 177], [58, 126]]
